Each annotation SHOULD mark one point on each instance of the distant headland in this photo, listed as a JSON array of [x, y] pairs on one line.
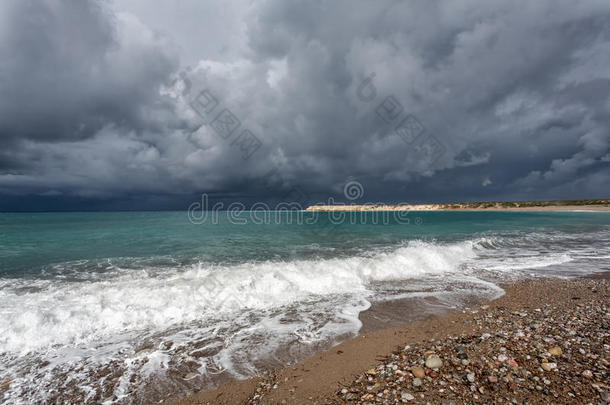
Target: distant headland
[[559, 205]]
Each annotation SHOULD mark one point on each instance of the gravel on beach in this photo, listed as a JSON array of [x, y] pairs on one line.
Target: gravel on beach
[[550, 354]]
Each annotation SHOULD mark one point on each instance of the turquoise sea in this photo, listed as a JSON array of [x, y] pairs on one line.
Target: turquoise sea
[[126, 307]]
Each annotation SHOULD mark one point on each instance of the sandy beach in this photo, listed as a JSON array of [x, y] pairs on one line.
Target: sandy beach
[[522, 346]]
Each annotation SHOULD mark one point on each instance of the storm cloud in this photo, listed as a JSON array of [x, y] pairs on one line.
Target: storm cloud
[[121, 105]]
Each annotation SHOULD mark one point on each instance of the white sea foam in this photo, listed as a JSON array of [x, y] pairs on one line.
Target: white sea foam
[[528, 262], [43, 313]]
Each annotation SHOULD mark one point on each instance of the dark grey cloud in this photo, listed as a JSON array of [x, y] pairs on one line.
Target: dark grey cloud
[[69, 69], [516, 95]]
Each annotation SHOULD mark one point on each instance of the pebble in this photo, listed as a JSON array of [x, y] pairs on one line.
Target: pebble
[[492, 379], [417, 382], [587, 373], [405, 396], [549, 366], [470, 377], [418, 372], [434, 362], [556, 351]]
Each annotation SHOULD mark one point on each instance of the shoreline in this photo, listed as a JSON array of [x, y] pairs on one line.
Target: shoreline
[[319, 378]]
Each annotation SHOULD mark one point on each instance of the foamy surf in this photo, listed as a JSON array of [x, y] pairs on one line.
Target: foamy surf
[[44, 313], [125, 334]]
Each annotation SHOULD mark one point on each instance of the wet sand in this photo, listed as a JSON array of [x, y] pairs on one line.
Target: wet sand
[[320, 378]]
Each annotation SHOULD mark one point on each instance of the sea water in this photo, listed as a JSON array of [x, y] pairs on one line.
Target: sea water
[[130, 307]]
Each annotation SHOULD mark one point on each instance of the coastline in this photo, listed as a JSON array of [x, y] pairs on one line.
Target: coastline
[[553, 208], [319, 378], [586, 206]]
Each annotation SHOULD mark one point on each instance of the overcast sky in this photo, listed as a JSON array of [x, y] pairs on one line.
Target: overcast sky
[[142, 105]]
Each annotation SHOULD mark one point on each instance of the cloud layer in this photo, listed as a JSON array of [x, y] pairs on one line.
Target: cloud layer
[[103, 103]]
